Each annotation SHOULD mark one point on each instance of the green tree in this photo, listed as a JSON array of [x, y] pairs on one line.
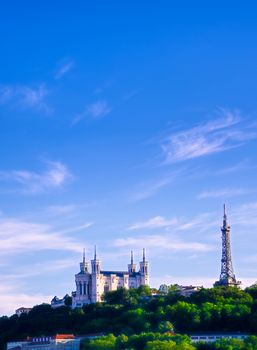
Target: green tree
[[164, 326], [103, 343], [160, 345], [185, 316]]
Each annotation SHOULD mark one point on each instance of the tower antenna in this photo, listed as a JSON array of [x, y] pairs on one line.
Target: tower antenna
[[227, 276]]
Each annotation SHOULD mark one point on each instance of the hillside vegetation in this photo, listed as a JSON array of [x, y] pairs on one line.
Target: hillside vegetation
[[135, 311]]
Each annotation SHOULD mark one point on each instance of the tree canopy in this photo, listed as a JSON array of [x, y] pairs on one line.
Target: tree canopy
[[135, 311]]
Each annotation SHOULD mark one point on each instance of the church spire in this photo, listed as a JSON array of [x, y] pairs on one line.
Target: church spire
[[84, 256], [131, 266], [144, 270], [95, 264], [95, 253], [84, 264]]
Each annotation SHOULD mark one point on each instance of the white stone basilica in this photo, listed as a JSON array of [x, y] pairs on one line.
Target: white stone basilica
[[90, 287]]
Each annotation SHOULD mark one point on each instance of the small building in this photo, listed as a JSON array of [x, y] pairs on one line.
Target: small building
[[187, 291], [57, 302], [214, 336], [23, 310], [57, 342]]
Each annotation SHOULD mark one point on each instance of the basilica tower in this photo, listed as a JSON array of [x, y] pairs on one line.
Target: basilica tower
[[144, 267], [95, 267], [132, 267]]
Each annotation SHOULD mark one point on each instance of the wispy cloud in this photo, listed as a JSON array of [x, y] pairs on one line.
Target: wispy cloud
[[78, 228], [13, 299], [25, 97], [221, 134], [195, 280], [156, 222], [29, 182], [149, 189], [63, 68], [225, 192], [99, 109], [162, 242], [101, 88], [49, 267], [61, 209], [96, 110], [244, 215], [201, 222], [235, 168], [20, 236]]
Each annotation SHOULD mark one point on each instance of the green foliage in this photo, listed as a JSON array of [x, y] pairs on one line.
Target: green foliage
[[164, 326], [157, 341], [160, 345], [129, 313], [165, 289], [104, 343]]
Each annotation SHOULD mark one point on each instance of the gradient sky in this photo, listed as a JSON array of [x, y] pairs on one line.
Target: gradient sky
[[125, 125]]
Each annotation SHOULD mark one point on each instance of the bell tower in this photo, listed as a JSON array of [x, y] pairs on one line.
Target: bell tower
[[84, 263], [132, 267], [144, 270], [95, 267]]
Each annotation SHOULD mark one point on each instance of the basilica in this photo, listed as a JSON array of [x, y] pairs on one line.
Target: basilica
[[91, 286]]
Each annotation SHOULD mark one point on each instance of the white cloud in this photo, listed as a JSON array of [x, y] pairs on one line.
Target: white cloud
[[29, 182], [64, 67], [61, 209], [245, 214], [20, 236], [78, 228], [235, 168], [11, 301], [204, 221], [96, 110], [149, 189], [162, 242], [194, 280], [215, 136], [6, 94], [156, 222], [25, 97], [184, 281], [225, 192], [24, 273]]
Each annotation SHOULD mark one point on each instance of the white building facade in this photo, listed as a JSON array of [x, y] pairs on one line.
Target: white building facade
[[91, 286]]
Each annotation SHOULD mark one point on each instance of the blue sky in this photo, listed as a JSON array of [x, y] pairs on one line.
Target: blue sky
[[125, 125]]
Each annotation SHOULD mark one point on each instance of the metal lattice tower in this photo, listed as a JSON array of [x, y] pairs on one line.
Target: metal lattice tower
[[227, 276]]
